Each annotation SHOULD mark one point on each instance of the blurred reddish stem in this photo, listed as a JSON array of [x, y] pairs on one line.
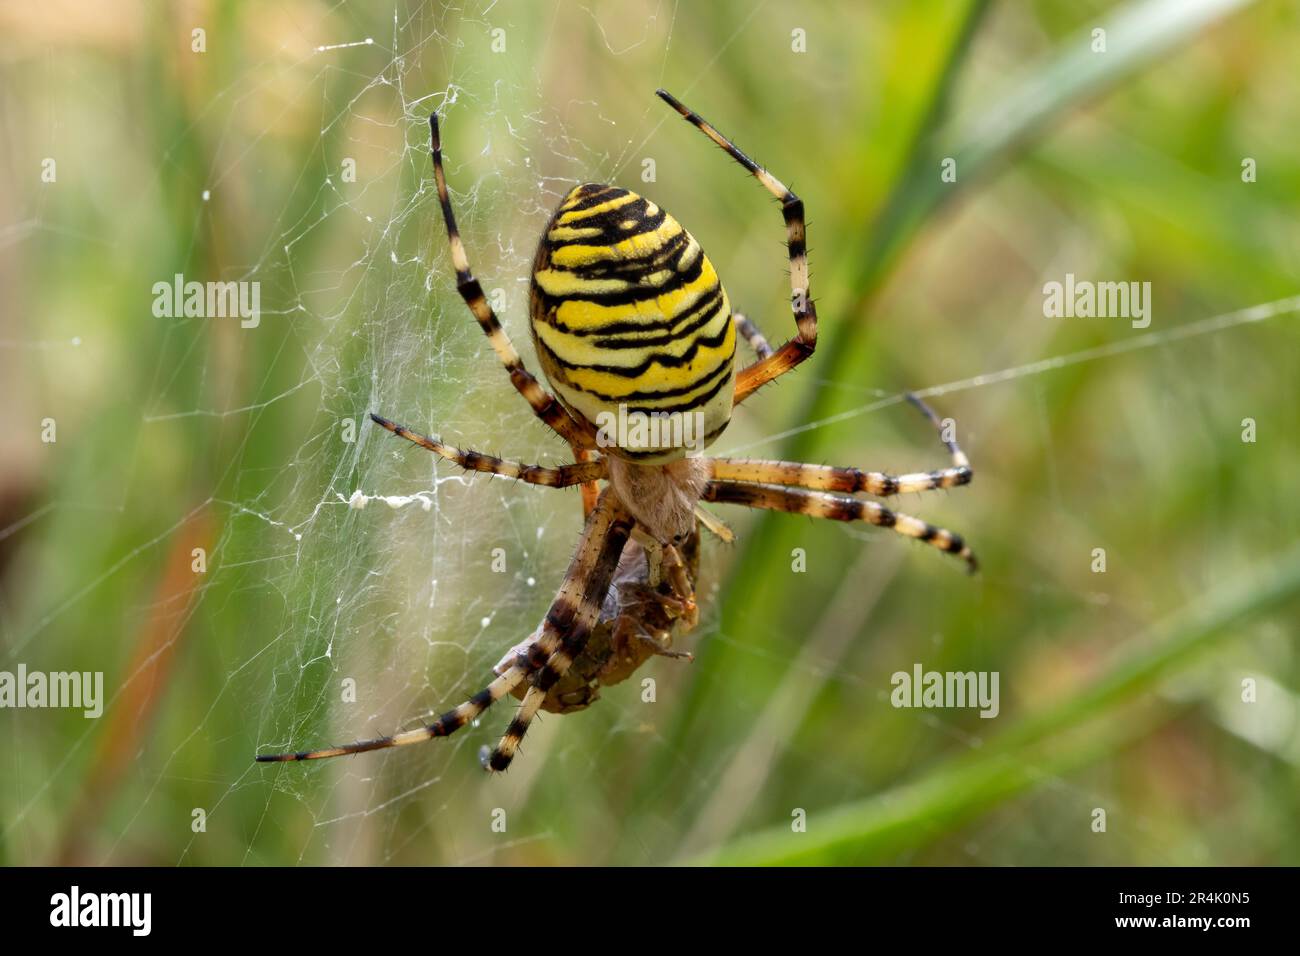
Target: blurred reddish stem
[[148, 676]]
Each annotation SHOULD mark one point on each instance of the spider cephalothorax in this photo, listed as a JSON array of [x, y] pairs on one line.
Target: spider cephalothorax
[[638, 339]]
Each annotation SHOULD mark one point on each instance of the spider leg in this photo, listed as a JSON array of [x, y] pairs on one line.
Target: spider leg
[[818, 504], [590, 490], [749, 331], [571, 618], [574, 608], [450, 722], [802, 345], [673, 569], [717, 527], [561, 477], [664, 563], [544, 404], [959, 459], [828, 478]]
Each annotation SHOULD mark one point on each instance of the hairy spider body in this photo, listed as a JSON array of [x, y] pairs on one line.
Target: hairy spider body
[[630, 319], [662, 498]]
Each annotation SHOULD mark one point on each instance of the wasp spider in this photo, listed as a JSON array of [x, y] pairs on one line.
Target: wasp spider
[[628, 316]]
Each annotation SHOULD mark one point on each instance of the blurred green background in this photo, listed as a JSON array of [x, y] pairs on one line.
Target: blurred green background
[[1120, 690]]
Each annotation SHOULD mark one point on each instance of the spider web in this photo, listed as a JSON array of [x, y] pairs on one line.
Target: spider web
[[415, 610], [355, 557]]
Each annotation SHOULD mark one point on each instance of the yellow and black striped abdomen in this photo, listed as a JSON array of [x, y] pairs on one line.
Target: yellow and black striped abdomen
[[629, 319]]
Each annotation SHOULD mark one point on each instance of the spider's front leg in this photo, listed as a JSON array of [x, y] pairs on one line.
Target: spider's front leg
[[668, 576], [570, 621], [653, 611], [644, 630], [579, 688], [543, 659], [637, 622]]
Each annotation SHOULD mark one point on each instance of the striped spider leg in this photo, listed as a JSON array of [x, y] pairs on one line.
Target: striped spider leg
[[564, 476], [666, 566], [820, 490], [564, 631], [799, 348], [820, 504], [830, 478], [578, 434], [569, 620], [750, 333], [766, 484], [637, 622]]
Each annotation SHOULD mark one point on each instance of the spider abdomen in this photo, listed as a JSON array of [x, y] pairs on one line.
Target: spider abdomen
[[632, 325]]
